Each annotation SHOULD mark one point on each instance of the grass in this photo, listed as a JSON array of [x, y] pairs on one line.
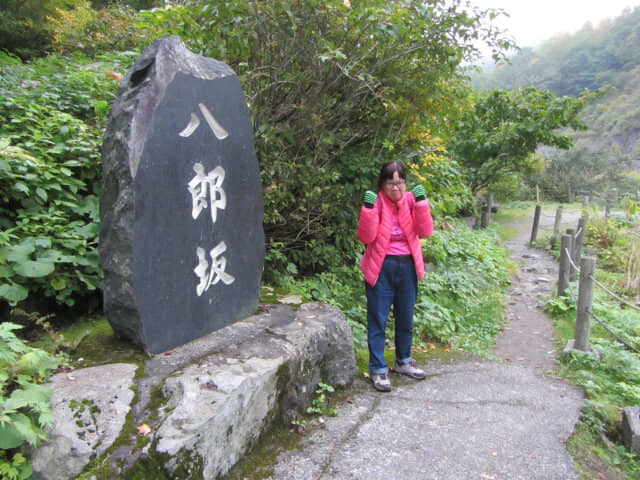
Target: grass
[[90, 342]]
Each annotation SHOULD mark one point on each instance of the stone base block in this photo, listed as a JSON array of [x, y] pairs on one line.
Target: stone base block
[[214, 397], [571, 348], [631, 428]]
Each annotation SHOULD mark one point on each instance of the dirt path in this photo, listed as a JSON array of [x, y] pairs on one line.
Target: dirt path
[[528, 338]]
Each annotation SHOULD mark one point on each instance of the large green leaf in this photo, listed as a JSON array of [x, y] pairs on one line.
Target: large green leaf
[[58, 283], [13, 293], [20, 429], [10, 436], [30, 395], [19, 253], [6, 271], [35, 268], [90, 230]]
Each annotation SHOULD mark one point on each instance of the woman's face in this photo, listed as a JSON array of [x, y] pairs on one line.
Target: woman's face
[[395, 187]]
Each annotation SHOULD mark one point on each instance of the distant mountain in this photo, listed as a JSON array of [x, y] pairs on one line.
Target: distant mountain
[[604, 57]]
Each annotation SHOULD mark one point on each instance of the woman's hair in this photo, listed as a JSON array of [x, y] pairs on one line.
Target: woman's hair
[[387, 171]]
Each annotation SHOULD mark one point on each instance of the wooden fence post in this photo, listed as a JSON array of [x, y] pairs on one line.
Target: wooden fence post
[[572, 271], [536, 222], [556, 226], [585, 299], [576, 254], [563, 277], [484, 218]]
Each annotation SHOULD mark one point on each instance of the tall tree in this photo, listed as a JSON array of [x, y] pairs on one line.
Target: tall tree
[[498, 134], [24, 25], [334, 87]]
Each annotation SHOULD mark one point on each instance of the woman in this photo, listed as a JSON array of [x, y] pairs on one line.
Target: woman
[[391, 223]]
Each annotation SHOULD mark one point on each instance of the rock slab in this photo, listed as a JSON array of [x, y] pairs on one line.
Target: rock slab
[[219, 393], [89, 407], [181, 240]]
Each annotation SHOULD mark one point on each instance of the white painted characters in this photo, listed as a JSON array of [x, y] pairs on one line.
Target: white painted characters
[[206, 190], [217, 272], [194, 122]]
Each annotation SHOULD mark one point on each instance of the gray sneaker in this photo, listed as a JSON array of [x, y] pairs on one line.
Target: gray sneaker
[[381, 382], [410, 370]]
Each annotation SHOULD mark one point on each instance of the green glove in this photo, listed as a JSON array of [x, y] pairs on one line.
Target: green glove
[[419, 193], [369, 198]]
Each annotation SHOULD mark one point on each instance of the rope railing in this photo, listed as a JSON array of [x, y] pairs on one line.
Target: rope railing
[[571, 247], [599, 284], [593, 315], [603, 325]]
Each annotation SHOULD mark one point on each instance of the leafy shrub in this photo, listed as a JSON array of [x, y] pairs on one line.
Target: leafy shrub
[[445, 186], [460, 302], [618, 241], [337, 88], [38, 27], [113, 28], [24, 26], [50, 175], [25, 410]]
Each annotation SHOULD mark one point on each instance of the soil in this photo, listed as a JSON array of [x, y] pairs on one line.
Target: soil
[[528, 337]]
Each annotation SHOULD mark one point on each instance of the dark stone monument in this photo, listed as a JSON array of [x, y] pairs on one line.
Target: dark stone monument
[[182, 244]]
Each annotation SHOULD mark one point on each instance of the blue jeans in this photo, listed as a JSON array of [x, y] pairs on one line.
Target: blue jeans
[[397, 285]]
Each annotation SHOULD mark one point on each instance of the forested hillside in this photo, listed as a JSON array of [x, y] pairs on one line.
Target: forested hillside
[[602, 58]]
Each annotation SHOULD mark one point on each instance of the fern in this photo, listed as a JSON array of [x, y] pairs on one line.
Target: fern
[[25, 408]]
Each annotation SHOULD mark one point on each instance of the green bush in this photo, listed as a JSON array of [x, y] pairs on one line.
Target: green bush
[[336, 89], [24, 25], [460, 303], [25, 409], [50, 174]]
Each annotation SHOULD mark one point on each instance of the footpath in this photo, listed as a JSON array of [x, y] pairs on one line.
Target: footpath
[[503, 419]]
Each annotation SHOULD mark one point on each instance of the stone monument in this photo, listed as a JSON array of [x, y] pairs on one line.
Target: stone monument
[[181, 240]]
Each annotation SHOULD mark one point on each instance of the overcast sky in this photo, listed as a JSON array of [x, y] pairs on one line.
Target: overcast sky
[[532, 22]]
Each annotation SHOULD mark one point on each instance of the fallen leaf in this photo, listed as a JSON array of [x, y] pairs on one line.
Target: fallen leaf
[[350, 400], [144, 429], [366, 375], [447, 348], [115, 75], [321, 420], [495, 454], [432, 346]]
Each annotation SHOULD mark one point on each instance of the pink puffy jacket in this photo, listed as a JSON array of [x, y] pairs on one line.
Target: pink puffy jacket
[[375, 226]]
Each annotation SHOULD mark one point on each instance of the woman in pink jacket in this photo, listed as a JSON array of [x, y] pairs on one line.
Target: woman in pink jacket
[[391, 224]]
